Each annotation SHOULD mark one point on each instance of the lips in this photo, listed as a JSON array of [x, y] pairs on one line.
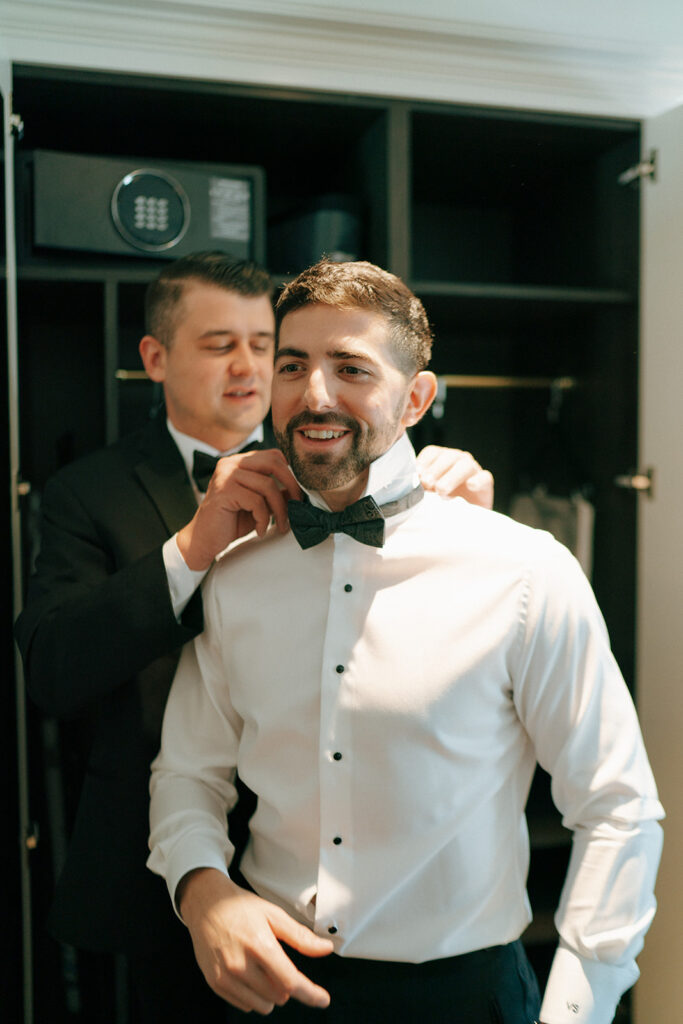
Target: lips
[[239, 393]]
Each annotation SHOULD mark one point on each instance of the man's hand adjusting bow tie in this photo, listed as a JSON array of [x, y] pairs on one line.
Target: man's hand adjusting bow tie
[[204, 464], [246, 492]]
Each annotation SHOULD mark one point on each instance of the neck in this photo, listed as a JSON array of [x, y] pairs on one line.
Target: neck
[[220, 440], [341, 497]]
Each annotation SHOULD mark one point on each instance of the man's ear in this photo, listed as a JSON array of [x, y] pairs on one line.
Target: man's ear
[[421, 395], [153, 355]]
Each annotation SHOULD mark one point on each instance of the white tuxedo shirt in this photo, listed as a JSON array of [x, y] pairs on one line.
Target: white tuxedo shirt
[[388, 706]]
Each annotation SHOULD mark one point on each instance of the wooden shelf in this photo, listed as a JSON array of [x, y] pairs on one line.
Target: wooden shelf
[[97, 270], [522, 293]]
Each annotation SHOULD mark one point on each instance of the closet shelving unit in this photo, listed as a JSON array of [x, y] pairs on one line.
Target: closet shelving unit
[[511, 226]]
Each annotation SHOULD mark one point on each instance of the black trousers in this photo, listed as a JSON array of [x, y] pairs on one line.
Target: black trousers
[[169, 988], [490, 986]]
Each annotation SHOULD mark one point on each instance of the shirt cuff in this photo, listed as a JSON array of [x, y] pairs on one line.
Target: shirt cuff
[[581, 991], [182, 581], [192, 855]]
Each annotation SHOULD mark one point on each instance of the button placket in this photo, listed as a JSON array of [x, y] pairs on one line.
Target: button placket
[[335, 781]]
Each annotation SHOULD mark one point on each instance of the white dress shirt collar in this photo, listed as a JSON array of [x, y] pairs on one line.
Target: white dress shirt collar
[[187, 445], [391, 475]]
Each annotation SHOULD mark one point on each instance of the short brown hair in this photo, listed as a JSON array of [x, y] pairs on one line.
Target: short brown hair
[[362, 285], [163, 296]]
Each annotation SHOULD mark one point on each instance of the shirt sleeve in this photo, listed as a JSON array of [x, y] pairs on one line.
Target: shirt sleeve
[[192, 784], [182, 581], [578, 712]]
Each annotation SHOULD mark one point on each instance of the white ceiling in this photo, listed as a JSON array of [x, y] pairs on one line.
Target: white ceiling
[[652, 23], [607, 57]]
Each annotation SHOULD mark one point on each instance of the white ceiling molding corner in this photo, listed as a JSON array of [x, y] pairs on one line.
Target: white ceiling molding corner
[[341, 49]]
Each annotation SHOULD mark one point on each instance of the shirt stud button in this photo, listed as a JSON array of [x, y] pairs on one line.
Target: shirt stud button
[[337, 756], [337, 840], [332, 929], [348, 588], [339, 669]]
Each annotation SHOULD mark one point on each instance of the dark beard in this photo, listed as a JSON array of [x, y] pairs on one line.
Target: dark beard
[[325, 472]]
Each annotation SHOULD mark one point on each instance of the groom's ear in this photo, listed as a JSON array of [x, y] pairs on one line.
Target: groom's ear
[[421, 395]]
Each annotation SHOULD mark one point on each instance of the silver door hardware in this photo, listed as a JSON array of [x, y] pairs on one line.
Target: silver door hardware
[[15, 120], [640, 481], [16, 126], [32, 837], [644, 169]]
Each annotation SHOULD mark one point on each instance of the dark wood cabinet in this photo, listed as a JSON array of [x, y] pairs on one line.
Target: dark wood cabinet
[[510, 226]]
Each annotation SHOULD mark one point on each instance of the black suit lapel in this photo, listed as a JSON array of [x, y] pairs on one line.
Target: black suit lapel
[[162, 473], [268, 435]]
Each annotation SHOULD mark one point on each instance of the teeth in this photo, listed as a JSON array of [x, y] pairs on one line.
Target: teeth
[[240, 394], [323, 435]]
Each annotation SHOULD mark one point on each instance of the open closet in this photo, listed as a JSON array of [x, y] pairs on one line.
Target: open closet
[[512, 227]]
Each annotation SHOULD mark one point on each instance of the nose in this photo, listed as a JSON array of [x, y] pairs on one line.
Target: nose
[[243, 363], [318, 394]]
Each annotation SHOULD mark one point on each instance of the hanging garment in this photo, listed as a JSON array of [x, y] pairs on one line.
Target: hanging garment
[[570, 520]]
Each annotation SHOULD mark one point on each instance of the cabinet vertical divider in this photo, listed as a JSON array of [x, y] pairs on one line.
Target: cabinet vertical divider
[[111, 358], [399, 189]]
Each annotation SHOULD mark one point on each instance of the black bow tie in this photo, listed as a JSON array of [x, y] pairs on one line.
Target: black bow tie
[[204, 464], [364, 520]]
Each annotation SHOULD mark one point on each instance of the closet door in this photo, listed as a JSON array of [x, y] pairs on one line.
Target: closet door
[[659, 993], [14, 860]]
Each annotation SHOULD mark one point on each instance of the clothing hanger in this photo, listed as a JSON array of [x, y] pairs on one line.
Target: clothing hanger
[[553, 463]]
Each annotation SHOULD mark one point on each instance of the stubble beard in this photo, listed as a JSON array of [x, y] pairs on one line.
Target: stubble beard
[[325, 471]]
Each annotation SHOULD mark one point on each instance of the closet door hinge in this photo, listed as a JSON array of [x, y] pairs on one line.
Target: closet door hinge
[[640, 481], [16, 123], [644, 169]]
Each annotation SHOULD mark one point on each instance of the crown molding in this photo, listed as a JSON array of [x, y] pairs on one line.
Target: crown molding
[[303, 45]]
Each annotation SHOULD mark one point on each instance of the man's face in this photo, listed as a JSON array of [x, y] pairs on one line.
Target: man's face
[[339, 399], [218, 369]]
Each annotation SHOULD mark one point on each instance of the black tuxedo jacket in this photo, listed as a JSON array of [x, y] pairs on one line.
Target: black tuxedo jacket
[[98, 637]]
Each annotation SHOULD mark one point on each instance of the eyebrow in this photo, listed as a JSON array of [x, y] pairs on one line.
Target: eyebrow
[[219, 332], [291, 353], [338, 354]]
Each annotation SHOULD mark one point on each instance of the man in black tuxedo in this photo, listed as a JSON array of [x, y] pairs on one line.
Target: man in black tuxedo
[[126, 538]]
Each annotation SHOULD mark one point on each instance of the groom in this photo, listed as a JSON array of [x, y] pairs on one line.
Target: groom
[[385, 678]]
